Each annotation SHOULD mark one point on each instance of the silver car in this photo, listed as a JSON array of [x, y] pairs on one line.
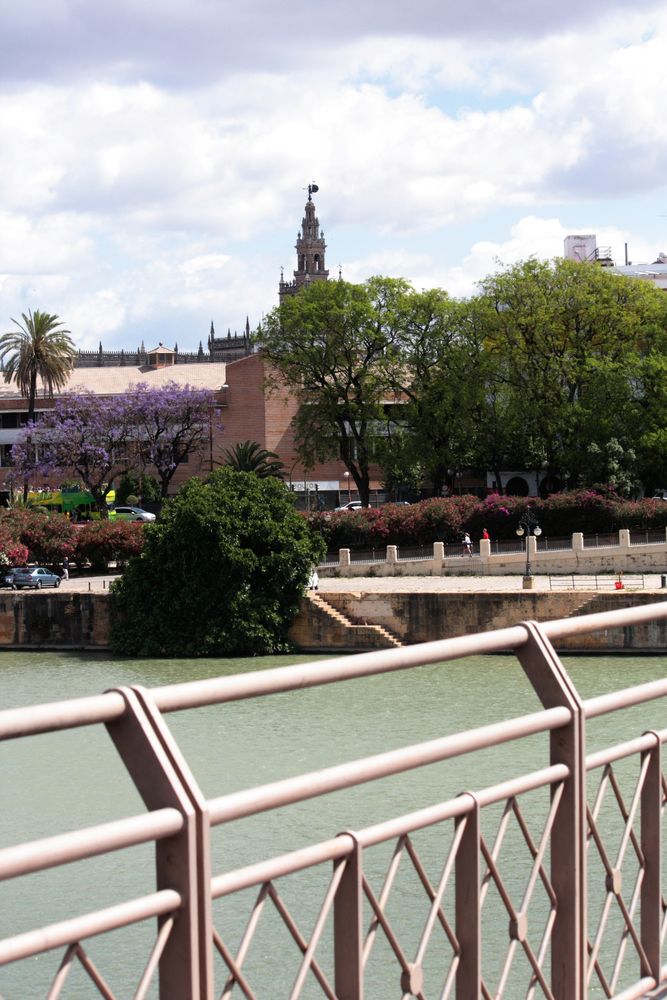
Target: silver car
[[131, 514], [32, 576]]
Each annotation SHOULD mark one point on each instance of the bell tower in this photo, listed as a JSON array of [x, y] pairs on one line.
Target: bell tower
[[310, 250]]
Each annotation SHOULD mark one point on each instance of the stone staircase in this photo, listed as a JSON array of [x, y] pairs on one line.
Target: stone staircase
[[348, 634]]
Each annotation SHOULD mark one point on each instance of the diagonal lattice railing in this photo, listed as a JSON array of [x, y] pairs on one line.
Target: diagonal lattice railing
[[630, 848], [549, 940], [453, 927]]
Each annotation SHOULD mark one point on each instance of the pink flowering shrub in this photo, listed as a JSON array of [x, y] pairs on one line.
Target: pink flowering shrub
[[445, 519], [12, 552], [49, 537], [100, 542]]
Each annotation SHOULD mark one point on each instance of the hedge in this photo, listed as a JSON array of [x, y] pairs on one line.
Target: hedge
[[446, 519], [39, 536]]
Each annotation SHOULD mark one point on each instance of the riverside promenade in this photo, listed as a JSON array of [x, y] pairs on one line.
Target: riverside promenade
[[466, 584], [409, 584]]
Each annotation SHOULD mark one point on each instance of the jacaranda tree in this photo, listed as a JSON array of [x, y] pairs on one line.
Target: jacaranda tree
[[86, 434], [220, 573], [103, 438], [172, 423]]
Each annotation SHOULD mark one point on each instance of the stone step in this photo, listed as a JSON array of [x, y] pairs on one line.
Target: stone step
[[333, 613]]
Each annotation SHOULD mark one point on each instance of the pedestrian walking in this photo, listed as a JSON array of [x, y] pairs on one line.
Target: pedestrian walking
[[314, 581], [485, 534], [65, 573], [467, 545]]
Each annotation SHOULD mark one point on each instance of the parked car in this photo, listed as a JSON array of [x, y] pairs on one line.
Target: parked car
[[31, 576], [352, 505], [130, 514], [659, 495], [7, 577]]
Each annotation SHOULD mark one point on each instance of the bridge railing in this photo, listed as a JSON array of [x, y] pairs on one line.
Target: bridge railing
[[563, 947]]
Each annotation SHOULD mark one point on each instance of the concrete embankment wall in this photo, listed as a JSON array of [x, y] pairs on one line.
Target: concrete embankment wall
[[423, 617], [81, 621], [54, 621]]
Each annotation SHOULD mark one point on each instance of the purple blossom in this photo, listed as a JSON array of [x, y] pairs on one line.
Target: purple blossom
[[100, 438]]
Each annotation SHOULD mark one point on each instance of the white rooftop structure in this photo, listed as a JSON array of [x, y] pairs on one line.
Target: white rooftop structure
[[655, 272], [584, 248]]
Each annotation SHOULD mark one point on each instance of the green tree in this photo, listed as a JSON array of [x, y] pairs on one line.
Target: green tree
[[140, 485], [221, 572], [560, 332], [333, 346], [650, 400], [40, 349], [249, 456], [439, 381]]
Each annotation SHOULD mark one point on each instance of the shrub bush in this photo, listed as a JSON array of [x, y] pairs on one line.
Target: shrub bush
[[445, 520], [49, 538], [12, 551], [101, 542], [221, 572]]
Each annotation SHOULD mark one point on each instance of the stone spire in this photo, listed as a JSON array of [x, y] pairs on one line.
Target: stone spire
[[310, 252]]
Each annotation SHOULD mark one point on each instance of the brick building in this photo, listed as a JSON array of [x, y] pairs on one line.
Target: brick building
[[230, 368]]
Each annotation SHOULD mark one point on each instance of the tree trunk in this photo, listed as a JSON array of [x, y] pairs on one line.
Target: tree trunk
[[32, 394]]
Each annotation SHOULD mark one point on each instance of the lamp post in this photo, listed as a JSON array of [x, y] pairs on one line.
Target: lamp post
[[347, 480], [528, 525]]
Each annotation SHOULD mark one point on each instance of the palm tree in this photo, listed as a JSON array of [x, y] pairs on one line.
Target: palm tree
[[41, 348], [249, 456]]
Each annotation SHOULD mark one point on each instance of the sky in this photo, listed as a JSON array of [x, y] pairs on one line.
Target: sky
[[155, 155]]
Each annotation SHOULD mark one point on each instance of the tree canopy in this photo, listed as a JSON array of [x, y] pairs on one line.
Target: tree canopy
[[102, 438], [221, 572], [333, 344], [555, 366], [39, 348]]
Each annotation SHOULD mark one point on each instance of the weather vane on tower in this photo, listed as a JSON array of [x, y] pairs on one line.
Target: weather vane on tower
[[312, 188]]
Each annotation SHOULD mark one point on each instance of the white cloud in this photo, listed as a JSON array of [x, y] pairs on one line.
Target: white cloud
[[131, 200]]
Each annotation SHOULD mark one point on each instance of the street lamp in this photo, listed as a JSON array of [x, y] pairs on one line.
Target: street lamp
[[527, 525], [347, 480]]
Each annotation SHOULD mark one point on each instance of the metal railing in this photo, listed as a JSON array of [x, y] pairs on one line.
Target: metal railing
[[566, 952]]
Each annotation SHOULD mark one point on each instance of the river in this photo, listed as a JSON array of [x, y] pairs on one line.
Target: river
[[55, 783]]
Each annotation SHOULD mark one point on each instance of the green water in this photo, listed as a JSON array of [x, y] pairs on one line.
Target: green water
[[54, 783]]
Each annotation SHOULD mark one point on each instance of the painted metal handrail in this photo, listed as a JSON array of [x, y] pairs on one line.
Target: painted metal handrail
[[179, 819]]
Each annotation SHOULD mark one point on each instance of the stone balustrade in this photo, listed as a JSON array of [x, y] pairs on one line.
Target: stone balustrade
[[619, 556]]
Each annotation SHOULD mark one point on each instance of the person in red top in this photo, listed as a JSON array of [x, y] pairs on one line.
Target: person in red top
[[485, 533]]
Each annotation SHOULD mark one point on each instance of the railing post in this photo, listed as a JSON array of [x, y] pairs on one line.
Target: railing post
[[348, 927], [554, 687], [468, 917], [163, 778], [651, 845]]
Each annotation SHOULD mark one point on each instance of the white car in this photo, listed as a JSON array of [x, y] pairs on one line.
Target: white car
[[131, 514], [352, 505]]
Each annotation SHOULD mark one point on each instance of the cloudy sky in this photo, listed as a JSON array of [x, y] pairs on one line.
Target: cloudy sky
[[155, 155]]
